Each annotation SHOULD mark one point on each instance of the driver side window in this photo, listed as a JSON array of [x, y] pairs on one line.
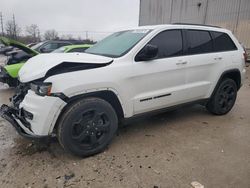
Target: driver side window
[[169, 43], [50, 46]]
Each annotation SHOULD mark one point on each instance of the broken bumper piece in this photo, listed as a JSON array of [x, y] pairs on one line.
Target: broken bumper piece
[[16, 117]]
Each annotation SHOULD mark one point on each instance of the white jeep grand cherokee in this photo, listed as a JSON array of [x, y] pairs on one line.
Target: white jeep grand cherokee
[[80, 98]]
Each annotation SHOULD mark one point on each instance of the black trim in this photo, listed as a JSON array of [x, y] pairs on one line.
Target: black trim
[[196, 24], [66, 67], [146, 99], [170, 108], [61, 96], [155, 97], [160, 96], [221, 77]]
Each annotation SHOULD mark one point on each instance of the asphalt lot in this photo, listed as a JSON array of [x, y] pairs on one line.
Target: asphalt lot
[[171, 149]]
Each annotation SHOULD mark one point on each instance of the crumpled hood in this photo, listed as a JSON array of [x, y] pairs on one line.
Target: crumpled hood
[[37, 67]]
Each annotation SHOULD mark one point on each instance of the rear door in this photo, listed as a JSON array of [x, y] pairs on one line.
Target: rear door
[[160, 82], [202, 63]]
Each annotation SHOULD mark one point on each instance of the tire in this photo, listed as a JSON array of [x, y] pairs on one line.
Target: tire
[[224, 97], [12, 82], [87, 127]]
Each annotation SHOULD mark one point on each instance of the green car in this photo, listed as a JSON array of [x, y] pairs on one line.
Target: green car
[[73, 48], [9, 73]]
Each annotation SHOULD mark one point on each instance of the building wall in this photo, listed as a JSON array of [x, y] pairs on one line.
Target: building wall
[[230, 14]]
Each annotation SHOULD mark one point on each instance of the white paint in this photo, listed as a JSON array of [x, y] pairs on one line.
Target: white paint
[[131, 81]]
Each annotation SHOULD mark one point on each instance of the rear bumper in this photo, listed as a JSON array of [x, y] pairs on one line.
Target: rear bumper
[[12, 116]]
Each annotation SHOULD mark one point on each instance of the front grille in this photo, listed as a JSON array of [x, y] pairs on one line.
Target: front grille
[[21, 91]]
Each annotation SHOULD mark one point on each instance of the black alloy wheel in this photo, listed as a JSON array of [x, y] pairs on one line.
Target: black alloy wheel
[[224, 97], [87, 127]]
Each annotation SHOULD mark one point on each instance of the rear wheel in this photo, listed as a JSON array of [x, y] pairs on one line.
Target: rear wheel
[[224, 97], [87, 127]]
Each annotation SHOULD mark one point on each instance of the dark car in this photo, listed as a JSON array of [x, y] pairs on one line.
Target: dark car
[[51, 45], [15, 56]]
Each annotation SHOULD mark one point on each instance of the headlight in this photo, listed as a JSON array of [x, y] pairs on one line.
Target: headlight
[[42, 89]]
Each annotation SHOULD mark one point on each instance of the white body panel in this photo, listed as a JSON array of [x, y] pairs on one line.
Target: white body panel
[[38, 66], [45, 111], [140, 86]]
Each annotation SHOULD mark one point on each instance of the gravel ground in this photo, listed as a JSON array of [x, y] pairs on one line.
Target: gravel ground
[[171, 149]]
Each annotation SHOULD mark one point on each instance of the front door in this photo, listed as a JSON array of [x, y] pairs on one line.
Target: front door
[[160, 82]]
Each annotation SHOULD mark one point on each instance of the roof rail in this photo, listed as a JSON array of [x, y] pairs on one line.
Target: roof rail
[[196, 24]]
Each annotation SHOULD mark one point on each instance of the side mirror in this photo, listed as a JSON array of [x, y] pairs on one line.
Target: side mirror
[[45, 50], [149, 52], [42, 50]]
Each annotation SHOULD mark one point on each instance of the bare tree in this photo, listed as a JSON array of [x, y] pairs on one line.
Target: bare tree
[[12, 29], [51, 35], [33, 32], [67, 37]]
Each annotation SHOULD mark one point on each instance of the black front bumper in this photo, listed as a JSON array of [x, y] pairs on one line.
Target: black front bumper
[[8, 113]]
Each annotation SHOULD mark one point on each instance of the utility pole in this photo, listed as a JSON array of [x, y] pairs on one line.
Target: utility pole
[[14, 27], [171, 11], [1, 20], [205, 13], [87, 35]]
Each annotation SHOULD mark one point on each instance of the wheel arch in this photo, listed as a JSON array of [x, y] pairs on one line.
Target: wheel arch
[[233, 74], [106, 95]]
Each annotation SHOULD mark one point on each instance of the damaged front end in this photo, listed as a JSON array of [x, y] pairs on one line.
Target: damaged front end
[[38, 102], [17, 116]]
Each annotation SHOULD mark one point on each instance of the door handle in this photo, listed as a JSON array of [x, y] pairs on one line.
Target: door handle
[[218, 58], [182, 63]]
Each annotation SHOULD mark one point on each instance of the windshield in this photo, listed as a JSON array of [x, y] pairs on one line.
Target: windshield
[[59, 50], [36, 46], [118, 44]]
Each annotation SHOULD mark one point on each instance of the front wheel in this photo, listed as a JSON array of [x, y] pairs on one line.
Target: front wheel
[[87, 127], [224, 97]]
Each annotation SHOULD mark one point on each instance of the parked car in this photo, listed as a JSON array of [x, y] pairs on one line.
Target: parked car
[[51, 45], [73, 48], [9, 73], [80, 98], [17, 52]]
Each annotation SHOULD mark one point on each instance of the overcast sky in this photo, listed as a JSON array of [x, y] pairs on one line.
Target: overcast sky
[[75, 16]]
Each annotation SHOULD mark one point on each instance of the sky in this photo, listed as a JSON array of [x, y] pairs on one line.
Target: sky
[[98, 17]]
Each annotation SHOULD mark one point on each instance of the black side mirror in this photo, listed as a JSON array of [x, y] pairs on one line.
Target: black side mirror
[[149, 52], [42, 50], [45, 50]]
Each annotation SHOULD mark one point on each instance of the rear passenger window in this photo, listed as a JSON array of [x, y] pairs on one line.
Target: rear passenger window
[[222, 42], [199, 42], [169, 43]]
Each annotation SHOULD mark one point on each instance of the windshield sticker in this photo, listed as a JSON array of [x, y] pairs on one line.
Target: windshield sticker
[[140, 31]]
